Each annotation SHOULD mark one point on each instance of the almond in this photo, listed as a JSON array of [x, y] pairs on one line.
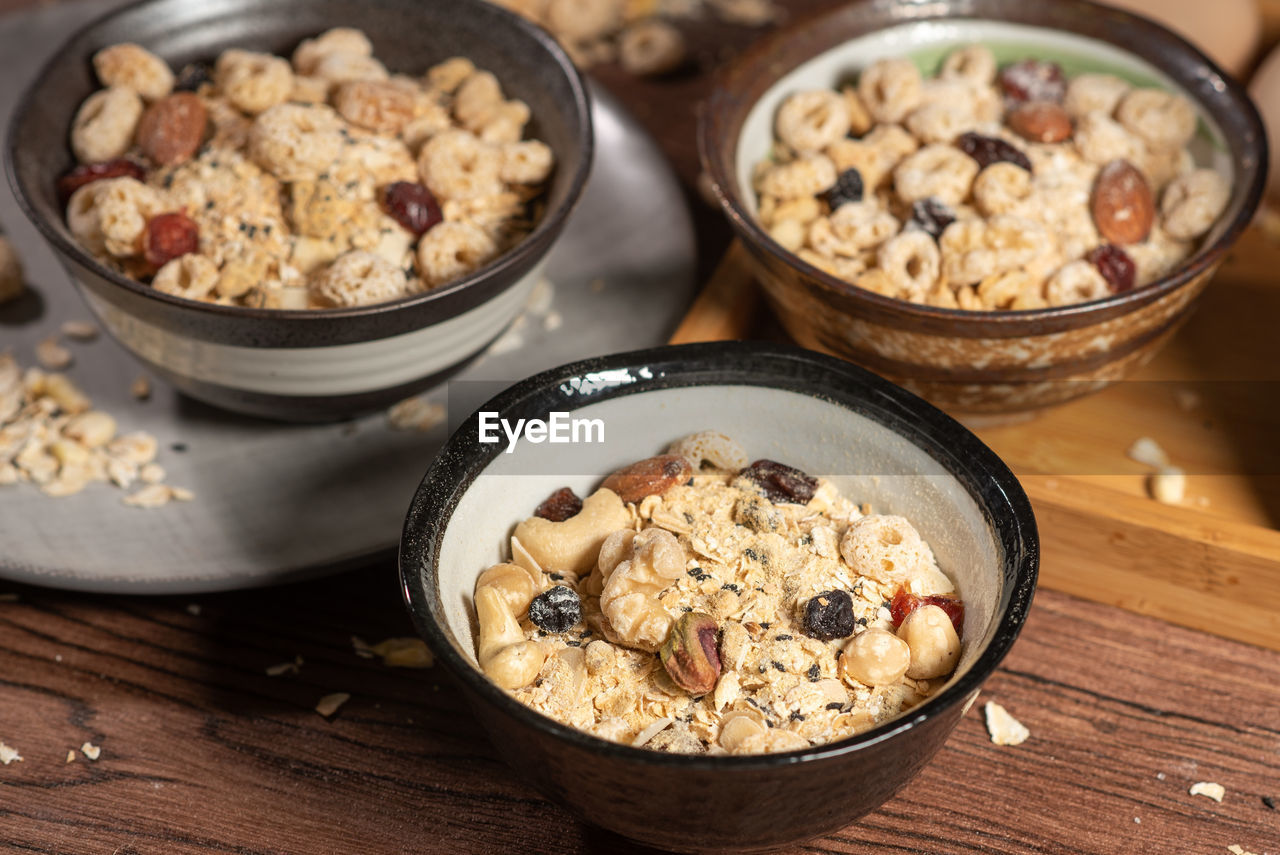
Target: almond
[[1122, 205], [1040, 121], [172, 128], [651, 477]]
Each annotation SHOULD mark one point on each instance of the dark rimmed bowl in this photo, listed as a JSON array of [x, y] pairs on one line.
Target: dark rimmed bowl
[[876, 441], [320, 364], [978, 362]]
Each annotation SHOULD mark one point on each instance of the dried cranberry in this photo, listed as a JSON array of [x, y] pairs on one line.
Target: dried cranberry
[[931, 216], [87, 173], [559, 506], [829, 615], [169, 236], [1033, 80], [1115, 265], [412, 206], [193, 76], [848, 188], [556, 609], [989, 150], [780, 482], [905, 603]]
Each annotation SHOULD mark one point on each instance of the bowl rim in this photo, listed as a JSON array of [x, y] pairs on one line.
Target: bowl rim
[[768, 365], [525, 253], [999, 322]]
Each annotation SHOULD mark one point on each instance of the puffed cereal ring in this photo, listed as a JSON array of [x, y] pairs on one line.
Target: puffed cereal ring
[[1000, 187], [358, 278], [134, 67], [940, 121], [192, 276], [972, 250], [253, 82], [378, 105], [1161, 119], [342, 67], [583, 20], [851, 229], [105, 123], [451, 250], [1094, 93], [1075, 282], [447, 76], [935, 170], [810, 121], [506, 123], [890, 88], [971, 62], [457, 165], [911, 261], [477, 99], [1004, 290], [1192, 202], [1101, 139], [527, 162], [296, 142], [805, 176], [337, 40], [122, 207]]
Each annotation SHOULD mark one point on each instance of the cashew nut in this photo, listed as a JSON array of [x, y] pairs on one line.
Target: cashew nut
[[935, 647], [571, 546], [516, 584], [636, 567], [875, 657], [505, 655]]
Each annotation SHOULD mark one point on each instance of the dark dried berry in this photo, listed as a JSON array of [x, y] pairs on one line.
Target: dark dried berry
[[555, 609], [559, 506], [412, 206], [848, 188], [780, 482], [829, 615], [931, 216], [1115, 265], [169, 236], [193, 76], [1033, 80], [87, 173], [1269, 802], [989, 150], [905, 603]]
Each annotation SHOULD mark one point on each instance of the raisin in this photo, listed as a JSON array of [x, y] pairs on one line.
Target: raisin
[[814, 673], [169, 236], [905, 603], [87, 173], [556, 609], [780, 482], [848, 188], [559, 506], [1115, 265], [829, 615], [989, 150], [192, 76], [1033, 80], [931, 216], [412, 206]]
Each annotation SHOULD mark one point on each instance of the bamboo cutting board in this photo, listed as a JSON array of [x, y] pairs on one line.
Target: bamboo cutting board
[[1211, 399]]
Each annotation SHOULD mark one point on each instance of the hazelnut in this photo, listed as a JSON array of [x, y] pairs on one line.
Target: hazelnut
[[690, 655]]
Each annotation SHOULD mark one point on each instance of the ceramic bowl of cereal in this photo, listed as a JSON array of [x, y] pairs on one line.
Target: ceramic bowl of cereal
[[307, 208], [721, 596], [1001, 205]]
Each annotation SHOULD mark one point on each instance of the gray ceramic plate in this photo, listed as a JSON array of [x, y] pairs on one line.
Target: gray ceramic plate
[[279, 502]]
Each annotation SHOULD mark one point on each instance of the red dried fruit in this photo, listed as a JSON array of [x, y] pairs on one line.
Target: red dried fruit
[[169, 236], [560, 506], [905, 603], [1115, 265], [932, 216], [989, 150], [653, 476], [87, 173], [780, 482], [1033, 80], [412, 206], [172, 128]]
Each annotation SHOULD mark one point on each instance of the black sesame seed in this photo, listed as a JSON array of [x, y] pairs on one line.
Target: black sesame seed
[[556, 576], [556, 609], [778, 666], [762, 623], [814, 673], [797, 716], [730, 586], [782, 636]]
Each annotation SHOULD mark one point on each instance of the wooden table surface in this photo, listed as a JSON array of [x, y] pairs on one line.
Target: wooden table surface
[[202, 751]]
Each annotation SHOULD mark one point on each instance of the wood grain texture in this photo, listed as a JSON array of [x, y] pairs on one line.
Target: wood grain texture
[[204, 753]]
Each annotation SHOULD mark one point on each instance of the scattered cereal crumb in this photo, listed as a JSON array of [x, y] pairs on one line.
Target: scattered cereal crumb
[[747, 13], [1004, 728], [79, 330], [404, 653], [362, 648], [1168, 486], [329, 704], [71, 756], [1237, 849], [8, 598], [194, 609], [293, 667], [1187, 399], [91, 751], [151, 496], [553, 321], [140, 388], [1137, 820], [57, 657], [151, 473], [181, 494], [416, 414], [650, 732], [1148, 452], [1160, 776], [1209, 790], [52, 355], [8, 754]]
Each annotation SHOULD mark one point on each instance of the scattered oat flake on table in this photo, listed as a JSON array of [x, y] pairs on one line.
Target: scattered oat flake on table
[[52, 355], [194, 609], [282, 668], [1148, 452], [79, 330], [1168, 486], [8, 598], [1208, 789], [404, 653], [1237, 849], [71, 755], [416, 414], [8, 754], [1004, 728], [362, 648], [329, 704], [90, 750], [140, 388]]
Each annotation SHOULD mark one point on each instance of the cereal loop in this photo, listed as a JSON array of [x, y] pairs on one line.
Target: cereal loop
[[890, 88], [451, 250], [253, 82], [457, 165], [1192, 202], [131, 66], [105, 123], [812, 120], [935, 170], [1161, 119], [911, 262], [358, 278]]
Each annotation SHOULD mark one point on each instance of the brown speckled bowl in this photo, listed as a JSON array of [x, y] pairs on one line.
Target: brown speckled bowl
[[992, 361]]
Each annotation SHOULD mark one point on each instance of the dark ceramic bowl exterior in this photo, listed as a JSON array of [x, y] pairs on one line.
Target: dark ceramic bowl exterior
[[727, 803], [992, 361], [325, 363]]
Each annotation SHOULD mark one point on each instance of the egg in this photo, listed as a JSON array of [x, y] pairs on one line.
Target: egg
[[1264, 88], [1227, 30]]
